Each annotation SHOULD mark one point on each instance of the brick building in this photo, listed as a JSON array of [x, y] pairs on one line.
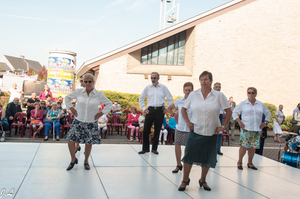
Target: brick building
[[243, 43]]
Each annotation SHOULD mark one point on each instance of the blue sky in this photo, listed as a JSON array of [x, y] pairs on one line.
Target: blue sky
[[89, 28]]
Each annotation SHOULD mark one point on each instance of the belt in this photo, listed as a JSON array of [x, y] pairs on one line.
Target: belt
[[155, 107]]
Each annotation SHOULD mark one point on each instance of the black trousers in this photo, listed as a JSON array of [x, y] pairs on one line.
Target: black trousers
[[155, 116]]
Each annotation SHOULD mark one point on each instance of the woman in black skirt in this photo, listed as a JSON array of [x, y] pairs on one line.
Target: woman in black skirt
[[84, 128], [201, 144]]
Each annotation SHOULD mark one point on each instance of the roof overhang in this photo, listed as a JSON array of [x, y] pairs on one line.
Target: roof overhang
[[189, 23]]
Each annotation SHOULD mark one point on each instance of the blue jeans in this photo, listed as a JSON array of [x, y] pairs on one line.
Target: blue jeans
[[219, 141], [48, 125]]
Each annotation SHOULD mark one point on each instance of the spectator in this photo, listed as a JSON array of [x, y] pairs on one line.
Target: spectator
[[172, 125], [49, 101], [297, 119], [30, 104], [61, 100], [133, 123], [116, 108], [231, 125], [53, 116], [44, 93], [36, 119], [163, 131], [295, 126], [4, 121], [44, 109], [74, 105], [278, 120], [11, 109], [102, 120], [14, 92], [63, 113]]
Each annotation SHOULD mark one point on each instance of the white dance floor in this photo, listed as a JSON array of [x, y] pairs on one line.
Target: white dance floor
[[34, 170]]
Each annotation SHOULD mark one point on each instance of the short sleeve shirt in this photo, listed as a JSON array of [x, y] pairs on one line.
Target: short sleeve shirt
[[206, 112], [181, 126], [51, 113], [14, 93], [102, 118], [116, 107], [31, 101]]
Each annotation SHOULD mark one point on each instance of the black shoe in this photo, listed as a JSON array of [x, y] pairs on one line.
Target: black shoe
[[155, 152], [46, 139], [57, 139], [143, 152], [219, 153], [183, 188], [206, 188], [176, 170], [239, 166], [78, 149], [253, 167], [86, 166], [72, 165]]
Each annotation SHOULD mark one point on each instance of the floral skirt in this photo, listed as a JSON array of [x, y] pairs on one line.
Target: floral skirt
[[250, 139], [83, 132]]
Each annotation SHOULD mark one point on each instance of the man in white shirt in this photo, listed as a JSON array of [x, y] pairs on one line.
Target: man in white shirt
[[156, 94], [14, 92], [217, 87]]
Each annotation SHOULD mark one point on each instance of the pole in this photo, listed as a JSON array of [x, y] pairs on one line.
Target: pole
[[165, 14], [160, 13]]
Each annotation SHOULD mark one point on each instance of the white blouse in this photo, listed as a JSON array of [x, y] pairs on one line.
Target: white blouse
[[205, 112], [181, 126], [87, 106], [251, 115]]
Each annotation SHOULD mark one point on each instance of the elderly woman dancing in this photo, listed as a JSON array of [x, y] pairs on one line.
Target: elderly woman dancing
[[84, 128], [201, 144], [251, 111]]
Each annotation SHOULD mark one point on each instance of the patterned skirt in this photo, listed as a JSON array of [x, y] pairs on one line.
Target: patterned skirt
[[83, 132], [201, 150], [180, 137], [250, 139]]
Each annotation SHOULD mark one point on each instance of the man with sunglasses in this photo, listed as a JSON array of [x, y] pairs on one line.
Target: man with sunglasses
[[156, 94]]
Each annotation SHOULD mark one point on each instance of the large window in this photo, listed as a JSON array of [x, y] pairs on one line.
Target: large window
[[169, 51]]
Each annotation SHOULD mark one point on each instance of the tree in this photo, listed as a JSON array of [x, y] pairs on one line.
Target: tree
[[31, 72], [43, 73]]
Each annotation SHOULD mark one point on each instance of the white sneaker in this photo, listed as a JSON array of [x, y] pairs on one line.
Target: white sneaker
[[164, 143], [131, 138], [159, 142], [137, 139]]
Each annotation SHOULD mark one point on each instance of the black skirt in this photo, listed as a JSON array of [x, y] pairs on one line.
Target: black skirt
[[201, 150]]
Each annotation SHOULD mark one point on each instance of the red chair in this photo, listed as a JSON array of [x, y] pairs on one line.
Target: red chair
[[225, 134], [108, 124], [19, 123], [127, 112], [67, 126], [105, 132], [41, 131], [114, 123]]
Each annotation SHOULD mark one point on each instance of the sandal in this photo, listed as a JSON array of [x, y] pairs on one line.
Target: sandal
[[183, 188], [239, 166]]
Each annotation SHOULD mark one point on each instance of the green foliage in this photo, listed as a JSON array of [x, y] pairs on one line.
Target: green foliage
[[286, 126], [272, 108]]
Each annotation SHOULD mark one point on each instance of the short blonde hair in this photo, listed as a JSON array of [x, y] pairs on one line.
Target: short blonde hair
[[88, 76]]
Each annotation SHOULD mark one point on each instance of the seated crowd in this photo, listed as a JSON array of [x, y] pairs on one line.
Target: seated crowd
[[44, 114]]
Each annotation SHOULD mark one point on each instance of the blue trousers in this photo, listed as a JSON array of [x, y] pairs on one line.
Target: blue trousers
[[48, 125], [219, 141]]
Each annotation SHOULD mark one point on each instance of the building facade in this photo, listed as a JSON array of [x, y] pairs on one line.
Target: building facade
[[243, 43]]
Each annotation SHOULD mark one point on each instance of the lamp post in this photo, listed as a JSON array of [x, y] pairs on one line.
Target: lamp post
[[169, 18]]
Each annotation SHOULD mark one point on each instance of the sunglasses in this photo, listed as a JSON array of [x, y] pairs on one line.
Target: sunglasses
[[153, 77], [88, 82], [251, 93], [73, 102]]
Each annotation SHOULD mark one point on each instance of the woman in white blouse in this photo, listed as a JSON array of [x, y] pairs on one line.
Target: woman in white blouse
[[251, 111], [84, 128], [201, 144], [279, 117], [181, 130]]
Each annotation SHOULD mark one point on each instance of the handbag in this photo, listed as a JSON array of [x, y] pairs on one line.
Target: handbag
[[293, 121], [101, 125], [35, 121], [135, 124]]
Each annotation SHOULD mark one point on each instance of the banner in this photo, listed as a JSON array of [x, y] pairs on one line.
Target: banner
[[61, 73]]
